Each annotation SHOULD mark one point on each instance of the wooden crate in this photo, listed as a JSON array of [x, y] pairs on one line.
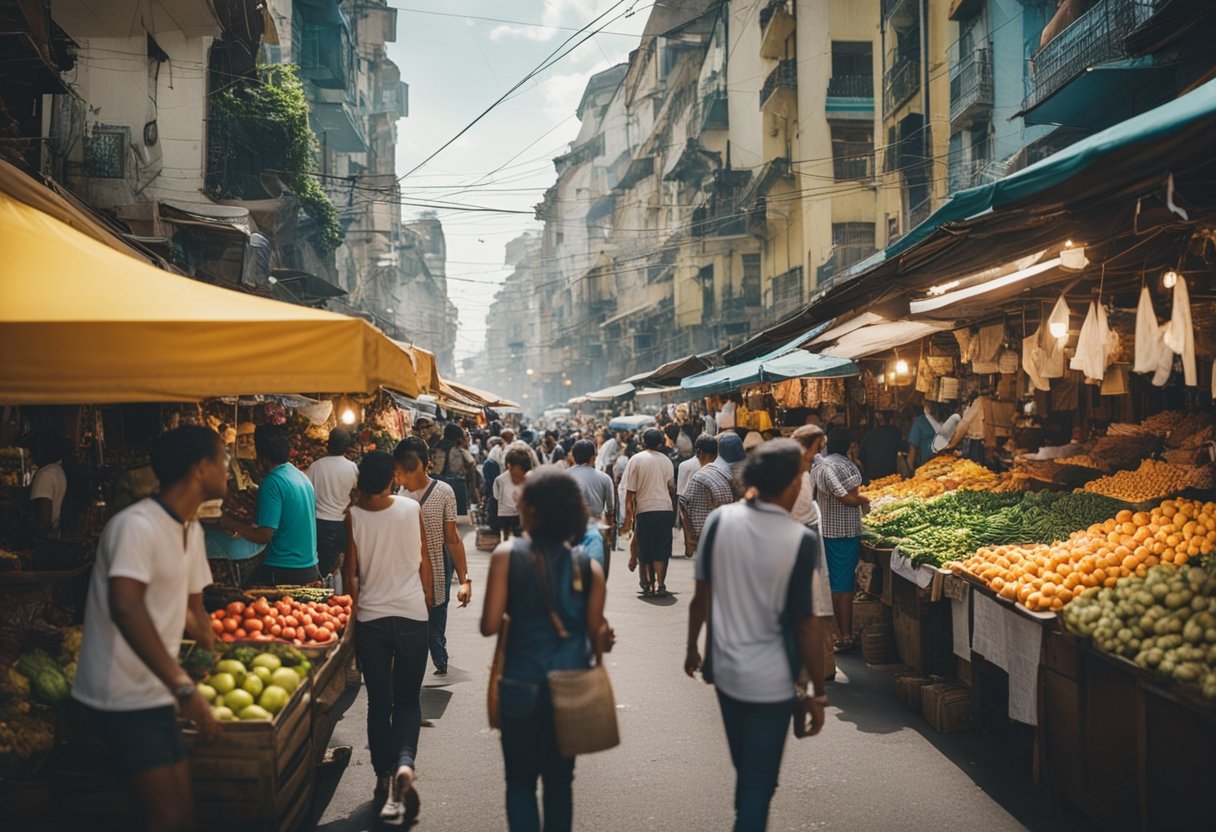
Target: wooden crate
[[330, 681], [948, 708], [257, 775], [923, 634], [877, 645], [868, 611], [908, 690]]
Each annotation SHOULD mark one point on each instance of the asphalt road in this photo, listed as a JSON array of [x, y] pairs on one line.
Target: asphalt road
[[875, 766]]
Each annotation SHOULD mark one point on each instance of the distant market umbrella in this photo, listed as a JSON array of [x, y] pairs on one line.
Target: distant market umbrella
[[632, 423], [611, 394], [82, 323]]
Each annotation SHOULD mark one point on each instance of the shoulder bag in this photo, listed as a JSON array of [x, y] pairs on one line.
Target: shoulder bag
[[584, 708]]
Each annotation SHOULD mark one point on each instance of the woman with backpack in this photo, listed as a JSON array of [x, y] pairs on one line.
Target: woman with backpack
[[553, 599], [454, 464]]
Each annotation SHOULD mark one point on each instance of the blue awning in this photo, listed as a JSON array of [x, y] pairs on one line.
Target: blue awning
[[1101, 95], [787, 361], [1083, 156]]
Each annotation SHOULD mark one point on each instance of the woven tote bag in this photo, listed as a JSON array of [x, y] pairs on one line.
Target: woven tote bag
[[584, 711]]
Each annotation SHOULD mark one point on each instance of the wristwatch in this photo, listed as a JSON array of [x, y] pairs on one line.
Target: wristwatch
[[184, 693]]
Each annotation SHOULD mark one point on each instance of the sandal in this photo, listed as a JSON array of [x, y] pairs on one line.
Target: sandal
[[662, 591], [846, 645]]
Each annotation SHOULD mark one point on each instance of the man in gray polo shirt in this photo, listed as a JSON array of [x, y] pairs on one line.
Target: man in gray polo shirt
[[763, 575]]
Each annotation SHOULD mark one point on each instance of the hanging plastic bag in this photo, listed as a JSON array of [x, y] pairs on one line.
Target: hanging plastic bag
[[1179, 333]]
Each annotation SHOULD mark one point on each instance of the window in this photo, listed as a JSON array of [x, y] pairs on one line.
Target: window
[[852, 242], [706, 277], [105, 152], [852, 69], [852, 152], [751, 279], [787, 289]]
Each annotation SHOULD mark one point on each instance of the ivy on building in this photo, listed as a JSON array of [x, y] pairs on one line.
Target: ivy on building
[[262, 125]]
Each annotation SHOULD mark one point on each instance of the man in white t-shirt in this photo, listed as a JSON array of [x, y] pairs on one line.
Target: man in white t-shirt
[[50, 483], [333, 479], [145, 589], [768, 617], [650, 488]]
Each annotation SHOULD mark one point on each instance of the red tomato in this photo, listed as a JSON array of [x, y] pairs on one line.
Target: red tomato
[[218, 614], [292, 621], [287, 599], [241, 634], [306, 619], [218, 626], [254, 625], [227, 638], [289, 632], [268, 621], [324, 634], [276, 630], [236, 608], [310, 630], [231, 625]]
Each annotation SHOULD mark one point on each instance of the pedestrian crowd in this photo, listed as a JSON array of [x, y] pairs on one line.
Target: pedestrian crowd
[[773, 526]]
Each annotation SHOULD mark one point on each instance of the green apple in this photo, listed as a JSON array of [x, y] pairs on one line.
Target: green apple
[[274, 699], [223, 714], [234, 667], [267, 660], [262, 673], [253, 684], [254, 712], [223, 682], [238, 700], [286, 678], [208, 692]]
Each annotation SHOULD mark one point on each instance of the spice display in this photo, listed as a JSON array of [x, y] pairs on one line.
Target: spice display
[[937, 476]]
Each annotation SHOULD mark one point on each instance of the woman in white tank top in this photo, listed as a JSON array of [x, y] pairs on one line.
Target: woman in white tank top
[[388, 573]]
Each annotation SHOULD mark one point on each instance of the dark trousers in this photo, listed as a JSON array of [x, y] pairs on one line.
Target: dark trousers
[[331, 543], [529, 751], [392, 656], [756, 734], [439, 624]]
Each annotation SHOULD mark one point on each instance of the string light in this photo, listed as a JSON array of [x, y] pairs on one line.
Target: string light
[[348, 416], [901, 367], [1169, 279]]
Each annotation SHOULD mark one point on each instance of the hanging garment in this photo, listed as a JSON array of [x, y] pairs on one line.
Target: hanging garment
[[1149, 343], [987, 348], [1180, 332], [1032, 358], [1093, 344], [1050, 355], [965, 343]]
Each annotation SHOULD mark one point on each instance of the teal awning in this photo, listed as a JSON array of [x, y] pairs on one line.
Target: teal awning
[[1101, 95], [787, 361], [1083, 156]]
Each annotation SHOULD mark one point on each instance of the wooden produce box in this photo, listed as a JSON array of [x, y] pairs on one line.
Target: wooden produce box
[[908, 690], [256, 775], [330, 679], [868, 612], [923, 634], [948, 708]]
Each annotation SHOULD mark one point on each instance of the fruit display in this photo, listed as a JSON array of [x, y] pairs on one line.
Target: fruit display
[[14, 463], [1164, 621], [937, 476], [1047, 577], [24, 741], [952, 526], [319, 594], [255, 688], [1153, 480], [303, 623], [242, 505]]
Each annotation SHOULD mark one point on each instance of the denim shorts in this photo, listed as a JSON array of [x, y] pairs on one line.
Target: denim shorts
[[142, 740], [842, 555]]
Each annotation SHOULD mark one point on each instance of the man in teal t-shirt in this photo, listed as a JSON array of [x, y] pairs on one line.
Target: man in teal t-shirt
[[285, 522]]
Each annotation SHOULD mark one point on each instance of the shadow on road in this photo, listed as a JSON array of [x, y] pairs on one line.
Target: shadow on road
[[668, 600], [434, 702]]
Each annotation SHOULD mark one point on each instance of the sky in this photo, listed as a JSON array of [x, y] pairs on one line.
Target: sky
[[457, 64]]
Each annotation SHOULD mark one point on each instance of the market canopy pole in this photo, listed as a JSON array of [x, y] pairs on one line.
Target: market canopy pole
[[82, 323]]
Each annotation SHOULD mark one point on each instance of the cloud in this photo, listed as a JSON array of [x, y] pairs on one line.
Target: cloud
[[574, 13]]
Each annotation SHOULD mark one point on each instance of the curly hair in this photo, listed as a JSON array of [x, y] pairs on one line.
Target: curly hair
[[558, 513]]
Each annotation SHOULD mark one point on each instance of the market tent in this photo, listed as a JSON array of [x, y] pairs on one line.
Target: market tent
[[658, 391], [609, 394], [673, 372], [450, 399], [475, 394], [880, 337], [803, 364], [725, 379], [426, 370], [84, 323]]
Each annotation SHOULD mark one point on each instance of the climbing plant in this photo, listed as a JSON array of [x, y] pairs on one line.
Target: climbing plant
[[262, 125]]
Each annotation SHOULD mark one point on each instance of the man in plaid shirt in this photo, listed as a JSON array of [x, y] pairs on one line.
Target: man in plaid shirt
[[838, 491], [707, 489]]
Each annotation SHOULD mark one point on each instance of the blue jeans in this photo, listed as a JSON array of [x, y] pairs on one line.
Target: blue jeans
[[756, 734], [439, 623], [392, 655], [529, 751]]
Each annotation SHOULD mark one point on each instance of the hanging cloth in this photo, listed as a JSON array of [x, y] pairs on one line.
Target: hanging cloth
[[1179, 333], [1093, 344], [986, 348], [1032, 358], [1149, 342]]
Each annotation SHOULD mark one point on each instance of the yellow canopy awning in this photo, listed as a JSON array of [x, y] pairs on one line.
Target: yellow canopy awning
[[425, 368], [477, 395], [82, 323]]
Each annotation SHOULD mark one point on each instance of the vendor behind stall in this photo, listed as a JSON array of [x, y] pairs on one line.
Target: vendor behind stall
[[50, 484], [333, 478], [286, 516], [880, 448]]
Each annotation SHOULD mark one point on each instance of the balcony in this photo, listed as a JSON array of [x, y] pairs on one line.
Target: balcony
[[714, 110], [787, 293], [899, 14], [783, 79], [901, 83], [853, 161], [776, 26], [850, 97], [971, 87], [1097, 36]]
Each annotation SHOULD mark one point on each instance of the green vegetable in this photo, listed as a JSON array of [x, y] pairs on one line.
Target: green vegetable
[[199, 663], [244, 655], [289, 655], [47, 682]]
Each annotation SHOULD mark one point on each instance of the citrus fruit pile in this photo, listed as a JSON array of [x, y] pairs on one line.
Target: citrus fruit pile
[[1046, 577]]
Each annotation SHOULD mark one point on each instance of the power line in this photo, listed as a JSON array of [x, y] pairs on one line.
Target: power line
[[530, 23]]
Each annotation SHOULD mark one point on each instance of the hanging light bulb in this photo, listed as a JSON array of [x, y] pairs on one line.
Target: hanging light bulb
[[901, 367], [1057, 324], [1169, 279], [348, 416], [1072, 256]]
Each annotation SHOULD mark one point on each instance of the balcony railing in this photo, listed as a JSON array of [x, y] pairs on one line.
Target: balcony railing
[[1095, 37], [851, 86], [787, 293], [853, 160], [841, 259], [919, 213], [971, 85], [901, 83], [784, 76]]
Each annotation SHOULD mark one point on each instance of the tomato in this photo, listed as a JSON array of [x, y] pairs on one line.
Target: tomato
[[218, 614], [292, 621], [310, 630], [268, 621], [287, 599], [218, 626], [324, 635], [241, 633], [306, 619], [231, 625], [289, 632], [254, 625], [276, 630], [236, 608], [227, 638]]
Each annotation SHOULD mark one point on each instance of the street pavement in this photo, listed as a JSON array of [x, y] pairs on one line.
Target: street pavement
[[875, 766]]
